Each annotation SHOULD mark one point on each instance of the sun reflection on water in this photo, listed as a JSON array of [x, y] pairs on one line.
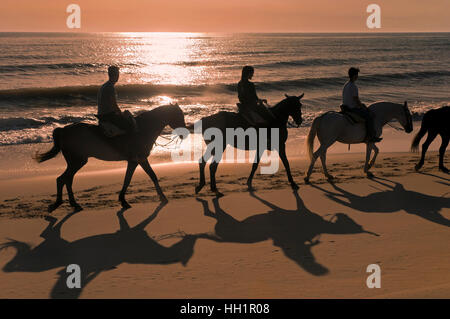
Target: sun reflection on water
[[163, 58]]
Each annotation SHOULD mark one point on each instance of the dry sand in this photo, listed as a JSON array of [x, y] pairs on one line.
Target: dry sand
[[268, 244]]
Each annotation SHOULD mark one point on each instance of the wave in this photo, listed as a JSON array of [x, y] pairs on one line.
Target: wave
[[87, 95], [20, 123], [81, 67]]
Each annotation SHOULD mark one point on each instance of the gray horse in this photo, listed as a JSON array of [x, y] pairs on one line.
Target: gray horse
[[333, 126]]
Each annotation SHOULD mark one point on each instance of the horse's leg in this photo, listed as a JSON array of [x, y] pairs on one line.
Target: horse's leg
[[376, 150], [254, 167], [431, 136], [60, 182], [213, 169], [369, 147], [131, 167], [442, 149], [201, 166], [321, 150], [315, 155], [75, 167], [323, 159], [148, 169], [202, 182], [285, 161]]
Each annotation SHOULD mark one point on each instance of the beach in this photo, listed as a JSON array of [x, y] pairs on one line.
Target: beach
[[270, 243]]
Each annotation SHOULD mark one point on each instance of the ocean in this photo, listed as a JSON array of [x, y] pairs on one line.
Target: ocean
[[49, 80]]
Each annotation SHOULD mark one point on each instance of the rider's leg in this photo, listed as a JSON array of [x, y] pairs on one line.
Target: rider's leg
[[265, 113], [370, 125]]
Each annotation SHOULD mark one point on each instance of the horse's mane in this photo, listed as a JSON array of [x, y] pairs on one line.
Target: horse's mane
[[145, 113], [279, 104]]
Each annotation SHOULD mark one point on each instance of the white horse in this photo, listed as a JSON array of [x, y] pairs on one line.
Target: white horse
[[333, 126]]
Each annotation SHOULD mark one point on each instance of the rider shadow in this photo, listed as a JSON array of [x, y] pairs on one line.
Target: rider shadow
[[395, 198], [294, 231], [95, 254]]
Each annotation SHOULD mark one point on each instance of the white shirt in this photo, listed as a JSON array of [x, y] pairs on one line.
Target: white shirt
[[348, 94]]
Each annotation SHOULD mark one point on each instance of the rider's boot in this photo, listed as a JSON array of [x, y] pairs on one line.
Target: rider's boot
[[371, 134]]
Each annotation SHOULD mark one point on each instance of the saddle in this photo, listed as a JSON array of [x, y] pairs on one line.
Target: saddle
[[352, 117], [109, 129], [252, 118]]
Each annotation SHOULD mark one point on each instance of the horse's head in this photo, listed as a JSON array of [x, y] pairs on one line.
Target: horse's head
[[176, 118], [292, 106], [405, 118]]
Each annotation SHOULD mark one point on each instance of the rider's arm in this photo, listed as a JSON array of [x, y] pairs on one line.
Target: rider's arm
[[358, 101], [256, 96], [112, 100]]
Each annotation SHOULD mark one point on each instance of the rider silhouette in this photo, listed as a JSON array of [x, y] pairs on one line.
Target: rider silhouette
[[353, 103], [108, 110], [249, 101]]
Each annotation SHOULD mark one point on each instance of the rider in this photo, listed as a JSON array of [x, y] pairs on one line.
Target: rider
[[250, 103], [353, 103], [108, 110]]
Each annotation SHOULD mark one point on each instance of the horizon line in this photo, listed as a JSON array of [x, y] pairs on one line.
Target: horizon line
[[235, 32]]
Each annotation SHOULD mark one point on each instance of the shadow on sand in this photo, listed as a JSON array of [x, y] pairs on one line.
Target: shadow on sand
[[394, 199], [442, 180], [95, 254], [294, 231]]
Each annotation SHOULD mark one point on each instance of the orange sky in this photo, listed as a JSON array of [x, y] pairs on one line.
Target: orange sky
[[225, 16]]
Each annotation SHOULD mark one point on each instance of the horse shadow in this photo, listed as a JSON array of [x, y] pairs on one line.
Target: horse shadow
[[95, 254], [395, 198], [294, 231]]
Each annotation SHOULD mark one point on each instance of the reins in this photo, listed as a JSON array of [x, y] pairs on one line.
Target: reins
[[174, 139]]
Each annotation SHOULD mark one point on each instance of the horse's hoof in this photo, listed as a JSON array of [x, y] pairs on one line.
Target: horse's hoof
[[444, 169], [417, 167], [54, 206], [198, 188], [306, 179], [370, 175], [330, 178], [250, 188], [294, 186]]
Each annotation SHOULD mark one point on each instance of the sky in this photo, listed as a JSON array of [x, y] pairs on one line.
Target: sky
[[225, 16]]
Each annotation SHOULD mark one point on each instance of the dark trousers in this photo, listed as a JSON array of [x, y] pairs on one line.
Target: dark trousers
[[368, 118], [135, 148], [119, 120]]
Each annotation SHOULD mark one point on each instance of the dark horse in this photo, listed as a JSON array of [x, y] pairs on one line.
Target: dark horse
[[290, 106], [79, 141], [434, 122]]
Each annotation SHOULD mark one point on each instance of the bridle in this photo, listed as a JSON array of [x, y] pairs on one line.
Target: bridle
[[408, 118]]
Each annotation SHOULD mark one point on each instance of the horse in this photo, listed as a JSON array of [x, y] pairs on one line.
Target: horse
[[79, 141], [434, 122], [288, 107], [333, 126]]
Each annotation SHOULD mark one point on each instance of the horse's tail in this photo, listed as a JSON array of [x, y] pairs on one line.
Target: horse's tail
[[311, 135], [42, 157], [419, 135]]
